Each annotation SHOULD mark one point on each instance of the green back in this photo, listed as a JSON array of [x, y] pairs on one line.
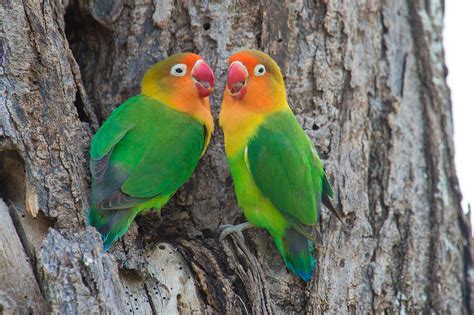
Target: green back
[[145, 149], [286, 168]]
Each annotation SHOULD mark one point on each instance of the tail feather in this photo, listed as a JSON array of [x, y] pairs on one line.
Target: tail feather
[[111, 224], [296, 251]]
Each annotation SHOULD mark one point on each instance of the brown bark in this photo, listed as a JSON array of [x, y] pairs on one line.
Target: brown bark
[[367, 82]]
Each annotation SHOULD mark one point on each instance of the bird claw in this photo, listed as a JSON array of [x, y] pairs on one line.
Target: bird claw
[[227, 229], [223, 227]]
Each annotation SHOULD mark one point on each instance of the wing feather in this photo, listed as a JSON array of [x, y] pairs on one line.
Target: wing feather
[[145, 149], [279, 158]]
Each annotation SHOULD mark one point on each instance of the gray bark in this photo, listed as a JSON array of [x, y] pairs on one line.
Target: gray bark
[[367, 82]]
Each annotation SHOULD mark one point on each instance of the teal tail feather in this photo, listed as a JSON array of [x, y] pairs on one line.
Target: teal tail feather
[[297, 253], [111, 224]]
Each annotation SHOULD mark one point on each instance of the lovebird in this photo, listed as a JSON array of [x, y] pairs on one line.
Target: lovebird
[[279, 179], [151, 144]]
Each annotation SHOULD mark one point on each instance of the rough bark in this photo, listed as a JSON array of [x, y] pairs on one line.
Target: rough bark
[[367, 82]]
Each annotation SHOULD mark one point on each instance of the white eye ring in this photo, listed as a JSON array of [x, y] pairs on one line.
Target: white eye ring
[[178, 70], [259, 70]]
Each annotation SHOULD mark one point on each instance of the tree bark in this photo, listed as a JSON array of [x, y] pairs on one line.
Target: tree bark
[[367, 83]]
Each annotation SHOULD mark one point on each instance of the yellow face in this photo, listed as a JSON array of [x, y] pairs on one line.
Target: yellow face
[[254, 80]]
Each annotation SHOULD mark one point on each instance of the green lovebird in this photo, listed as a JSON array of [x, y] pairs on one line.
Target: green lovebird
[[151, 144], [279, 179]]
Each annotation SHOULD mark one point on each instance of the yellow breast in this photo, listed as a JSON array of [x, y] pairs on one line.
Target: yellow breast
[[238, 126]]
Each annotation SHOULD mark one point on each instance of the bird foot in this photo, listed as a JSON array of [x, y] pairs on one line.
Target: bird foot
[[227, 229]]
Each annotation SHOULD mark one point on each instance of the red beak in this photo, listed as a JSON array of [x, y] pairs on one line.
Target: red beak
[[237, 79], [203, 78]]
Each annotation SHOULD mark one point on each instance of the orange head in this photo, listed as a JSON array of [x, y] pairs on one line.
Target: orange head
[[254, 80], [179, 76]]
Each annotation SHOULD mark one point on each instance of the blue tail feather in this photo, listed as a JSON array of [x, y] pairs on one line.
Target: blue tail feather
[[111, 224], [297, 253]]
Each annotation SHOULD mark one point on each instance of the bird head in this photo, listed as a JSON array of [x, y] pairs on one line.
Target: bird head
[[179, 77], [253, 76]]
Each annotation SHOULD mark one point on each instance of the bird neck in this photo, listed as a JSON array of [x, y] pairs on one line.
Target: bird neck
[[188, 102], [241, 119]]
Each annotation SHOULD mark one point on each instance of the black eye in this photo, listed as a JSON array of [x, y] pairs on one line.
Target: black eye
[[179, 70]]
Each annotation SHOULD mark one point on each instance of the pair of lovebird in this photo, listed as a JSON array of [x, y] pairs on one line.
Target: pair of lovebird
[[151, 144]]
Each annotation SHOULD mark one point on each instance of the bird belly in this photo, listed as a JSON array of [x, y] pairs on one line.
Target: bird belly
[[153, 204], [258, 209]]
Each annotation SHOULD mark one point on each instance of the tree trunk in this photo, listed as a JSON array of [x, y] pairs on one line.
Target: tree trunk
[[367, 82]]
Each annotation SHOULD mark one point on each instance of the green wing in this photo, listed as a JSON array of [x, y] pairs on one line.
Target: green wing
[[286, 169], [144, 149]]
